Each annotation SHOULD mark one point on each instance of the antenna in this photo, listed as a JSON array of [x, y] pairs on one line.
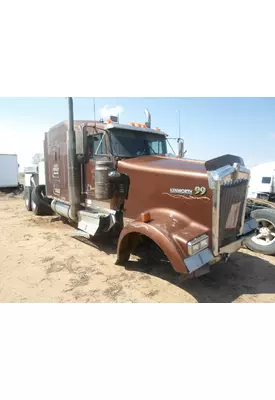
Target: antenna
[[179, 125], [94, 111]]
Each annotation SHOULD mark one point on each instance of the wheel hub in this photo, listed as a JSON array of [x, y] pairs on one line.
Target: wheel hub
[[265, 232]]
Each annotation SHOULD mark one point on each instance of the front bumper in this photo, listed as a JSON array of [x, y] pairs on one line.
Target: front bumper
[[206, 256]]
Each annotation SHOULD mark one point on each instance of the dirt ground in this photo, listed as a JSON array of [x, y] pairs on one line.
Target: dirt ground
[[41, 262]]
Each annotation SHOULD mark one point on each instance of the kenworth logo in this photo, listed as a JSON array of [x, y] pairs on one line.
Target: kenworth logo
[[181, 191]]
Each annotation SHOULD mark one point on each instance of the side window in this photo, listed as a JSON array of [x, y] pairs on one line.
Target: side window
[[266, 179], [156, 147], [55, 154], [55, 162], [97, 145]]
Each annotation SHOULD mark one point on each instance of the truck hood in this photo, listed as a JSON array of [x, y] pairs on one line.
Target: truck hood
[[164, 165], [153, 180]]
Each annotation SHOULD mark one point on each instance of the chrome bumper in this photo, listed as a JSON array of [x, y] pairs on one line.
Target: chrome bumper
[[199, 260], [206, 256]]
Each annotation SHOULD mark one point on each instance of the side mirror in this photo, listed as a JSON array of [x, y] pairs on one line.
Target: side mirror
[[181, 152], [81, 141]]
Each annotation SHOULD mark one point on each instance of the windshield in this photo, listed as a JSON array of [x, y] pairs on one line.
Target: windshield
[[133, 143]]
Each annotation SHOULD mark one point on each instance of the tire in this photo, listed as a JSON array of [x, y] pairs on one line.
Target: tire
[[264, 240], [40, 204], [28, 198]]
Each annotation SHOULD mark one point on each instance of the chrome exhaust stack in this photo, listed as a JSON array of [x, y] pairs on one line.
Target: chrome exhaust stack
[[148, 117], [73, 173]]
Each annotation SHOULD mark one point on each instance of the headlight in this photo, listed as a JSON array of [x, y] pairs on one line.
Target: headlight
[[197, 244]]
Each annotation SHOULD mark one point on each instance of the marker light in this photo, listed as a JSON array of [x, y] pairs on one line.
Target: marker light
[[138, 124], [145, 217]]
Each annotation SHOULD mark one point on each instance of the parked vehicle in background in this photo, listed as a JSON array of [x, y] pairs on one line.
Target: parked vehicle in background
[[35, 190], [262, 182], [9, 174], [113, 179], [261, 206]]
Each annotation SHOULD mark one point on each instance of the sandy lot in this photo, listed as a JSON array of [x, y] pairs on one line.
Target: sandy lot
[[41, 262]]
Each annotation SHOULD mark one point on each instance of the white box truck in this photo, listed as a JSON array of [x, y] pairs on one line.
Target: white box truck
[[8, 171]]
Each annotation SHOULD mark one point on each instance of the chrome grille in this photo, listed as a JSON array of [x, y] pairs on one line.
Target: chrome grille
[[232, 202], [230, 188]]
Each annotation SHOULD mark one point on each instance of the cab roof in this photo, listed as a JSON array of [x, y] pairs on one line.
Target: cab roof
[[111, 126], [134, 128]]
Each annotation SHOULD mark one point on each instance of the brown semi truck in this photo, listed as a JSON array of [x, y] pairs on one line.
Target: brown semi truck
[[110, 178]]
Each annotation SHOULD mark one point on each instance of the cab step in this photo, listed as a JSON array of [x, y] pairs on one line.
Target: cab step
[[94, 222], [88, 222]]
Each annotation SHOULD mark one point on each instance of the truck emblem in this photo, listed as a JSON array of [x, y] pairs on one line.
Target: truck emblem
[[197, 191], [181, 191], [55, 171]]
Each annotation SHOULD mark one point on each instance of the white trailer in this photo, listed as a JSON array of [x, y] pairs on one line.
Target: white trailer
[[8, 171], [262, 181]]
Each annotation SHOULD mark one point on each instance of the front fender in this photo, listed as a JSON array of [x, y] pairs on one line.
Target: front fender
[[170, 230]]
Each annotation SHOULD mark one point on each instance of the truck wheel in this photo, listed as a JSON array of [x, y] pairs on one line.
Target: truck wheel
[[264, 240], [39, 203], [28, 198], [35, 204]]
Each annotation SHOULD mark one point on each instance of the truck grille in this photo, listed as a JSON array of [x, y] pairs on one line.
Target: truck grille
[[232, 200]]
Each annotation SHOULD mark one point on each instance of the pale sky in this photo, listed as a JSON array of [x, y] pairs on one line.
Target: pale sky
[[210, 126]]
